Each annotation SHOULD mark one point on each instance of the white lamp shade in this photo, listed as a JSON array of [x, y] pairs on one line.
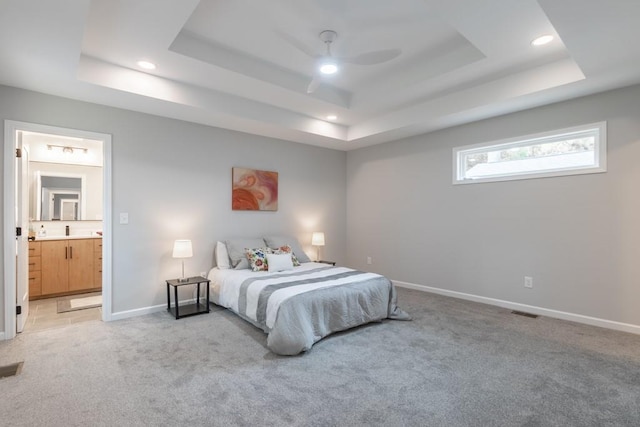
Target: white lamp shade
[[182, 249], [317, 238]]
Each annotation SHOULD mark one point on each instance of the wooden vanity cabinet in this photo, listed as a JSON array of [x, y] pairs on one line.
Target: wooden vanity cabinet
[[68, 266], [35, 270], [97, 262]]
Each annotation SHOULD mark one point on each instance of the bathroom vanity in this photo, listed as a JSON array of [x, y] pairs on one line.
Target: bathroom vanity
[[64, 266]]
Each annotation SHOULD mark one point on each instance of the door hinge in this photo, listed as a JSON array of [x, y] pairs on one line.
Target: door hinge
[[18, 309], [18, 152], [18, 231]]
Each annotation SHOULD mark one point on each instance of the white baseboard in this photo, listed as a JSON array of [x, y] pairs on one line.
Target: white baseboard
[[138, 312], [147, 310], [579, 318]]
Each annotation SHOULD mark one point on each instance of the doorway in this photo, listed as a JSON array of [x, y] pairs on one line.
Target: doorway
[[17, 221]]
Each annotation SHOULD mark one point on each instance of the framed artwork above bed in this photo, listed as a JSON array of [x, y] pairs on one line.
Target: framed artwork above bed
[[254, 190]]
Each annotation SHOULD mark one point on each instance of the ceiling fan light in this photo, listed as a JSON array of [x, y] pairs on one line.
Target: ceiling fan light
[[328, 68]]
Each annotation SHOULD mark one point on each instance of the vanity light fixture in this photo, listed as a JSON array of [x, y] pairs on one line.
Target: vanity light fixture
[[67, 149], [146, 65], [542, 40]]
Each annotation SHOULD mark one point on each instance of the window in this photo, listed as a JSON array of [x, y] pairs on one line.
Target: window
[[572, 151]]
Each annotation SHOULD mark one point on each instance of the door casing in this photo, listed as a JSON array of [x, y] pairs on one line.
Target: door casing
[[11, 129]]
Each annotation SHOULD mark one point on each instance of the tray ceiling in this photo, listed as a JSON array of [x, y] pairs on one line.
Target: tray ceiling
[[245, 65]]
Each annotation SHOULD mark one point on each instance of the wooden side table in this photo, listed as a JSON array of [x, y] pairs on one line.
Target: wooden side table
[[180, 311]]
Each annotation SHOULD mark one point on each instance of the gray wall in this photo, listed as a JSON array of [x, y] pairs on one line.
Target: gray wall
[[577, 236], [174, 180]]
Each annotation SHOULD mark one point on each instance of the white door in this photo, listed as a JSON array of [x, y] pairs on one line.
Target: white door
[[68, 209], [22, 245]]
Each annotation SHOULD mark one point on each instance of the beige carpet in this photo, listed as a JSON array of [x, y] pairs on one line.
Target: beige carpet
[[458, 363], [79, 302]]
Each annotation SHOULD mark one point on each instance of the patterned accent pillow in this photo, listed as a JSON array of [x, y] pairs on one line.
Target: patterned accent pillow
[[258, 258], [286, 249]]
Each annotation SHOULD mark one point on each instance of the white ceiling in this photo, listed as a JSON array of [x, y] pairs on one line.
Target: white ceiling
[[240, 64]]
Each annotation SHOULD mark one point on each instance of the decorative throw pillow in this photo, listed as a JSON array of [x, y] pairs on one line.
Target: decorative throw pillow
[[286, 249], [257, 258], [279, 262]]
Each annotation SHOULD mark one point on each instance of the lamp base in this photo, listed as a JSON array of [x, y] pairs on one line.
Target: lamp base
[[183, 279]]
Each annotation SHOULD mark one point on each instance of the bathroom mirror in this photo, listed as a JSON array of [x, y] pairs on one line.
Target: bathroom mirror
[[60, 197], [65, 177], [65, 193]]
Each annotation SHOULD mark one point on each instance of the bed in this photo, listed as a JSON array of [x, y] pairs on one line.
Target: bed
[[299, 306]]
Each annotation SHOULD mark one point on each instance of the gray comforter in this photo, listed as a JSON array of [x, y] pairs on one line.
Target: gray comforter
[[316, 311]]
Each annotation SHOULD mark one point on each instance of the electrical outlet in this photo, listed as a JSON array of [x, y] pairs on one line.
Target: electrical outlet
[[528, 282], [369, 260]]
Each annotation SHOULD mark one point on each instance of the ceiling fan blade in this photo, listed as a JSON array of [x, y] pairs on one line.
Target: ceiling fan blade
[[371, 58], [313, 85], [297, 44]]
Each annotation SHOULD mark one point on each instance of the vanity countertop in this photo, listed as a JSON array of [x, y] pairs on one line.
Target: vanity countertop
[[68, 237]]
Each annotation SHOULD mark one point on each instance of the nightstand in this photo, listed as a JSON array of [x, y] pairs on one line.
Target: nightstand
[[188, 309], [328, 262]]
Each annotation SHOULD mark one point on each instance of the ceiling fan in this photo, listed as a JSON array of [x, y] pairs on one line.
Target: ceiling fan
[[327, 64]]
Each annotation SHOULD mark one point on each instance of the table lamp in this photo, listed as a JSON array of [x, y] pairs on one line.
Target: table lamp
[[317, 239], [182, 249]]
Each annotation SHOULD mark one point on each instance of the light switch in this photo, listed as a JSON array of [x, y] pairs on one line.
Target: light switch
[[124, 218]]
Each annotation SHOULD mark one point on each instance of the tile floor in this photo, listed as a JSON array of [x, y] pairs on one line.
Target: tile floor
[[43, 314]]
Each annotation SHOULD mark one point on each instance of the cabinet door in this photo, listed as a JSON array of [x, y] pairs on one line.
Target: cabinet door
[[55, 266], [81, 264]]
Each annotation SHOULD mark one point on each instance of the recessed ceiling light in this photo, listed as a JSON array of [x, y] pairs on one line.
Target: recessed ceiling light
[[542, 40], [147, 65], [332, 117]]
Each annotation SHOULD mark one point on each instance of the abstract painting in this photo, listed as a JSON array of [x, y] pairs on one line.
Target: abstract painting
[[254, 190]]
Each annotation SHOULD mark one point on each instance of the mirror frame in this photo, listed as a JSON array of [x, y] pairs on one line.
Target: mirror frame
[[38, 192]]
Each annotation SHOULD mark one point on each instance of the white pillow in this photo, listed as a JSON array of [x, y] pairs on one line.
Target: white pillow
[[222, 256], [279, 241], [279, 262]]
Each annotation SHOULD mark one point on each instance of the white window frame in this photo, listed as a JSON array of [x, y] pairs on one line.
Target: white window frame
[[600, 154]]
